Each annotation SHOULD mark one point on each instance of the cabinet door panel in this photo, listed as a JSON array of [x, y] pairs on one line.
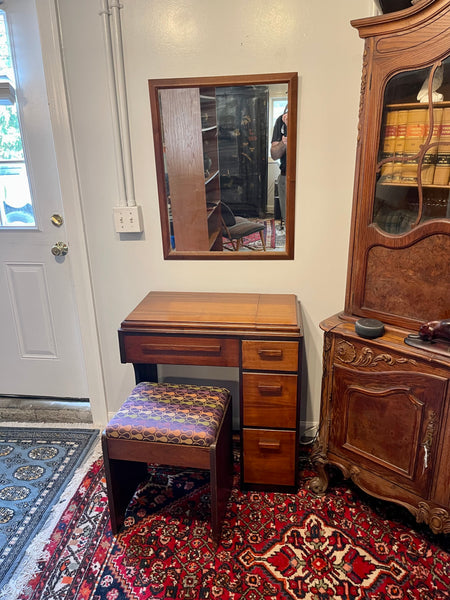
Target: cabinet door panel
[[388, 423], [441, 491]]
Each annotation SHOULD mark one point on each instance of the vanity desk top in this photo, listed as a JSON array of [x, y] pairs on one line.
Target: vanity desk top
[[202, 312]]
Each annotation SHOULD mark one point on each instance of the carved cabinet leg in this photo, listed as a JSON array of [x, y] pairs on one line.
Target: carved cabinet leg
[[437, 519]]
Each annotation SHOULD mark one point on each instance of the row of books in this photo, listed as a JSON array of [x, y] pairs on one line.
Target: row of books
[[404, 134]]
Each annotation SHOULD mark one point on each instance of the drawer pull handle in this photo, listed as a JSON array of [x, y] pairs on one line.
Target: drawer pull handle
[[270, 354], [270, 389], [269, 444], [184, 348]]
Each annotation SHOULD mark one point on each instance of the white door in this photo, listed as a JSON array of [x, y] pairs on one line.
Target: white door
[[40, 342]]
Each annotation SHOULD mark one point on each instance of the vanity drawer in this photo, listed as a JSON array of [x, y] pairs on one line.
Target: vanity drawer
[[270, 355], [269, 400], [179, 350], [269, 457]]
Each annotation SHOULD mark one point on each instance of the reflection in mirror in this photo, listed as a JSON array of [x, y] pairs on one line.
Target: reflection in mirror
[[219, 188]]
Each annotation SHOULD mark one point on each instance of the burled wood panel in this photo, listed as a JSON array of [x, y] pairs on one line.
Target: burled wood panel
[[413, 282]]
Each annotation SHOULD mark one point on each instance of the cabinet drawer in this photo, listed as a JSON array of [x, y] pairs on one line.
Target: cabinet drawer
[[269, 457], [269, 400], [270, 355], [179, 350]]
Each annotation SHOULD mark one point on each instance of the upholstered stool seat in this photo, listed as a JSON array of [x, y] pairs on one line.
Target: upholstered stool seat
[[172, 424]]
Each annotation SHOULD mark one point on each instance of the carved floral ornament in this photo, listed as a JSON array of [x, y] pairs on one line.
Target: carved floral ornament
[[438, 519], [363, 91], [365, 357]]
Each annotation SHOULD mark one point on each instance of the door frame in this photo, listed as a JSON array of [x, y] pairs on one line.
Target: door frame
[[48, 18]]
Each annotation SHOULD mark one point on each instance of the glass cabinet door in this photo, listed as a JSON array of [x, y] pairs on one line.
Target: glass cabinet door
[[413, 169]]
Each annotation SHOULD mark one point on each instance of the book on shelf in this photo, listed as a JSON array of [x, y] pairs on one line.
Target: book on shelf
[[390, 136], [430, 156], [442, 168], [406, 131], [414, 136], [399, 146]]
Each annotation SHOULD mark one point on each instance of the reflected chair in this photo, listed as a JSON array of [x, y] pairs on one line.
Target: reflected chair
[[236, 229], [169, 424]]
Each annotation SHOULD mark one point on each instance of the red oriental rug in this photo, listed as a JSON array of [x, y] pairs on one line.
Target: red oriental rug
[[343, 546]]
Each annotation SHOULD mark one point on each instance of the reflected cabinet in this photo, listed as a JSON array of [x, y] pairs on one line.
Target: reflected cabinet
[[385, 415], [191, 159]]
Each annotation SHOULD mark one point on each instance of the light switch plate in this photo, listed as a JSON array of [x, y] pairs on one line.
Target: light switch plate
[[128, 219]]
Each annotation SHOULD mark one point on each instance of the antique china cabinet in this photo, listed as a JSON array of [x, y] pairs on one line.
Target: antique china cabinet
[[385, 412]]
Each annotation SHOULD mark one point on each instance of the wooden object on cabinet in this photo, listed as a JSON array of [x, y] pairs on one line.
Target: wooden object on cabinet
[[385, 407], [259, 333], [192, 170]]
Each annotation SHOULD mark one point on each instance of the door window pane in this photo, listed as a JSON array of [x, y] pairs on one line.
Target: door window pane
[[413, 174], [16, 209]]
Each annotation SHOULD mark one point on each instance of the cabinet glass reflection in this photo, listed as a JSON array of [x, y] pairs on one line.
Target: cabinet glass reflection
[[218, 185]]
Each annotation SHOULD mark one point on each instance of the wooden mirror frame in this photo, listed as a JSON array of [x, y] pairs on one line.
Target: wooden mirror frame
[[155, 85]]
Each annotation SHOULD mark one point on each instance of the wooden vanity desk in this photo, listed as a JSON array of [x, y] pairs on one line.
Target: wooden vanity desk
[[259, 333]]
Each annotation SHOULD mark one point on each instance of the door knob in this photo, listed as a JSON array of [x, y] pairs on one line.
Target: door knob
[[60, 249]]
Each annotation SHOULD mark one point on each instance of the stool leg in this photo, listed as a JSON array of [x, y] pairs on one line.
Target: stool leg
[[221, 474], [122, 479]]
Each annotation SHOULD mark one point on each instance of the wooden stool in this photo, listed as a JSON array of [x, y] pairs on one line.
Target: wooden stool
[[169, 424]]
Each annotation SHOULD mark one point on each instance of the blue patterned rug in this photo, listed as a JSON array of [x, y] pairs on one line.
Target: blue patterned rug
[[36, 465]]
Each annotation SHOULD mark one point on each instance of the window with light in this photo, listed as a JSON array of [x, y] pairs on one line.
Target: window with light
[[16, 207]]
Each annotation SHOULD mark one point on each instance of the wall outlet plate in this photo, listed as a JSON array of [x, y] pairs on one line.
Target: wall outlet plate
[[128, 219]]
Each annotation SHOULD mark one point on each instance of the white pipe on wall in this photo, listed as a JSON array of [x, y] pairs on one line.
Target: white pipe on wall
[[104, 13], [121, 92]]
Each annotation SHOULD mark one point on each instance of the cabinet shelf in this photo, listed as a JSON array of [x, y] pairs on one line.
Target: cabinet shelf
[[211, 177], [413, 184], [212, 128], [211, 207], [213, 238], [413, 105]]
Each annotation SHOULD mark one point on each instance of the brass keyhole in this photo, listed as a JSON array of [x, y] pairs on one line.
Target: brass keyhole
[[57, 220]]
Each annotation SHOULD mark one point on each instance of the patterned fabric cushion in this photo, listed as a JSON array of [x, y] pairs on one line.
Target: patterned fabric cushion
[[170, 413]]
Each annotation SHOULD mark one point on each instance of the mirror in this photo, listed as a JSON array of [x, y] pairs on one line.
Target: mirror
[[219, 188]]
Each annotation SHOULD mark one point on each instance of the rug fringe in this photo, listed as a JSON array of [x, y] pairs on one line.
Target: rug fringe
[[36, 550], [51, 425]]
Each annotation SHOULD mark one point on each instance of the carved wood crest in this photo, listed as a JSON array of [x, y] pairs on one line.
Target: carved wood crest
[[347, 353]]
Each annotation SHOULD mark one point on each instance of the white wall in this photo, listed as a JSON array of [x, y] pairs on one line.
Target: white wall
[[183, 38]]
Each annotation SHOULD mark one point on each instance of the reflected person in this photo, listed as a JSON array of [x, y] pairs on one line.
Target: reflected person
[[278, 152]]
